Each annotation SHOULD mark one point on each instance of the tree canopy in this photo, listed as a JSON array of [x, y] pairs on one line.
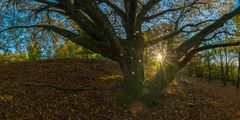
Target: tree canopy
[[123, 30]]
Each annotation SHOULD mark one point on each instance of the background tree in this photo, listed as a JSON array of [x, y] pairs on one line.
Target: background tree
[[238, 73], [34, 51], [208, 58]]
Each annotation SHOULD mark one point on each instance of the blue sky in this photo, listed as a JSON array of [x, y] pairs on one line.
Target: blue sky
[[7, 20]]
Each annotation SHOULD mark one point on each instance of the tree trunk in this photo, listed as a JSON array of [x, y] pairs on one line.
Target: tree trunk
[[238, 79], [133, 76], [232, 74], [222, 69], [134, 87], [163, 78], [209, 69], [226, 65]]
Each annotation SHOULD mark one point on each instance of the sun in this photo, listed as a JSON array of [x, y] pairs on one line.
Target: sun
[[159, 57]]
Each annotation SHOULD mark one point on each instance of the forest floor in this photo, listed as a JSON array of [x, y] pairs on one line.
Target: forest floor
[[76, 89]]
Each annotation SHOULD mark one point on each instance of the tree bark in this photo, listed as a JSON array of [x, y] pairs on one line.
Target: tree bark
[[222, 69], [133, 75], [209, 68], [226, 66], [163, 78], [238, 79]]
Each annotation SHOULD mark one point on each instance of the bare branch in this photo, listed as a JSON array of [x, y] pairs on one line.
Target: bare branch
[[199, 37], [171, 10], [190, 54], [215, 46], [117, 10], [216, 34], [174, 33], [145, 10], [84, 41], [160, 39]]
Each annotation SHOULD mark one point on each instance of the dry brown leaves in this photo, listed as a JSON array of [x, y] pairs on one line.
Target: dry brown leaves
[[182, 100]]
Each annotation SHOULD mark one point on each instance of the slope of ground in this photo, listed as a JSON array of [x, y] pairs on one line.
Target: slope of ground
[[87, 90]]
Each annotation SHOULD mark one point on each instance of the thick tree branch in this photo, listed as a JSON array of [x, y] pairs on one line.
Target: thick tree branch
[[160, 39], [102, 23], [49, 8], [190, 54], [215, 46], [83, 21], [216, 35], [161, 13], [84, 41], [131, 18], [117, 10], [173, 34], [144, 11], [77, 16], [199, 37], [46, 2]]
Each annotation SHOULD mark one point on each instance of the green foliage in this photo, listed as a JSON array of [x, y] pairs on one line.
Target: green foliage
[[236, 20], [72, 50], [34, 52], [195, 67], [13, 57], [66, 50]]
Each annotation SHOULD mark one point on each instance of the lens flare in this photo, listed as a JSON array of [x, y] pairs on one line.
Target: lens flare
[[159, 57]]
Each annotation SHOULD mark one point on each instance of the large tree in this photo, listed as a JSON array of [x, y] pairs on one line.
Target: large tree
[[116, 29]]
